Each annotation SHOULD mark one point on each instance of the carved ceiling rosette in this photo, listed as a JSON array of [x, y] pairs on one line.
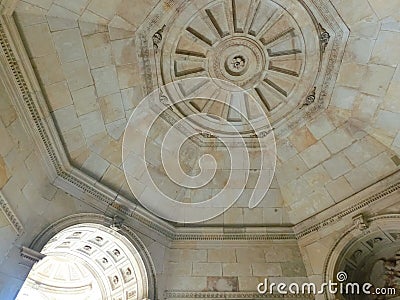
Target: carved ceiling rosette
[[280, 52]]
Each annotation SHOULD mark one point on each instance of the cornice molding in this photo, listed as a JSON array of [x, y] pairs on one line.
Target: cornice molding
[[22, 84], [231, 295], [351, 210], [10, 215], [233, 236]]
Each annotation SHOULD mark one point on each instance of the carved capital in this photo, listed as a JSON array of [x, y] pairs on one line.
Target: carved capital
[[31, 255], [117, 223]]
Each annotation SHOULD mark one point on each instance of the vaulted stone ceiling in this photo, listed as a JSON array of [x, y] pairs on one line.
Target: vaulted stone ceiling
[[96, 60]]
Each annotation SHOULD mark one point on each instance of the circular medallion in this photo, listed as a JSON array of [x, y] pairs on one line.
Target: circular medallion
[[268, 48], [239, 60]]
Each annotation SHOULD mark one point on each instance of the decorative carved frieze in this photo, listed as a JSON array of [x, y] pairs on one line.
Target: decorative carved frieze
[[231, 295], [350, 210], [10, 215]]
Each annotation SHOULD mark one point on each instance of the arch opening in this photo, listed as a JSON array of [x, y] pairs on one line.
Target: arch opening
[[367, 254], [87, 261]]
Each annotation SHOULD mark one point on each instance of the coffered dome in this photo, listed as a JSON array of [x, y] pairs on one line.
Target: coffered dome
[[58, 277], [268, 48]]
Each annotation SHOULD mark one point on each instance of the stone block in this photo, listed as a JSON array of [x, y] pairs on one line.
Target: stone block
[[76, 6], [49, 69], [66, 118], [337, 140], [69, 45], [98, 49], [106, 9], [285, 150], [384, 8], [293, 269], [266, 269], [344, 97], [337, 166], [186, 283], [386, 49], [359, 177], [90, 23], [233, 216], [221, 255], [38, 40], [74, 139], [236, 269], [222, 284], [249, 283], [339, 189], [106, 81], [179, 255], [351, 75], [58, 95], [290, 170], [249, 255], [363, 150], [302, 139], [377, 79], [60, 18], [92, 123], [128, 75], [321, 126], [95, 166], [317, 176], [273, 215], [381, 165], [111, 107], [77, 74], [253, 215], [207, 269], [124, 52], [27, 14], [174, 269], [114, 178], [85, 100], [41, 3], [358, 50], [388, 120], [315, 154]]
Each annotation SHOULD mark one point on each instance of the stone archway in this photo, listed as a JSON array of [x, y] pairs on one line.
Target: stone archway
[[369, 252], [86, 257]]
